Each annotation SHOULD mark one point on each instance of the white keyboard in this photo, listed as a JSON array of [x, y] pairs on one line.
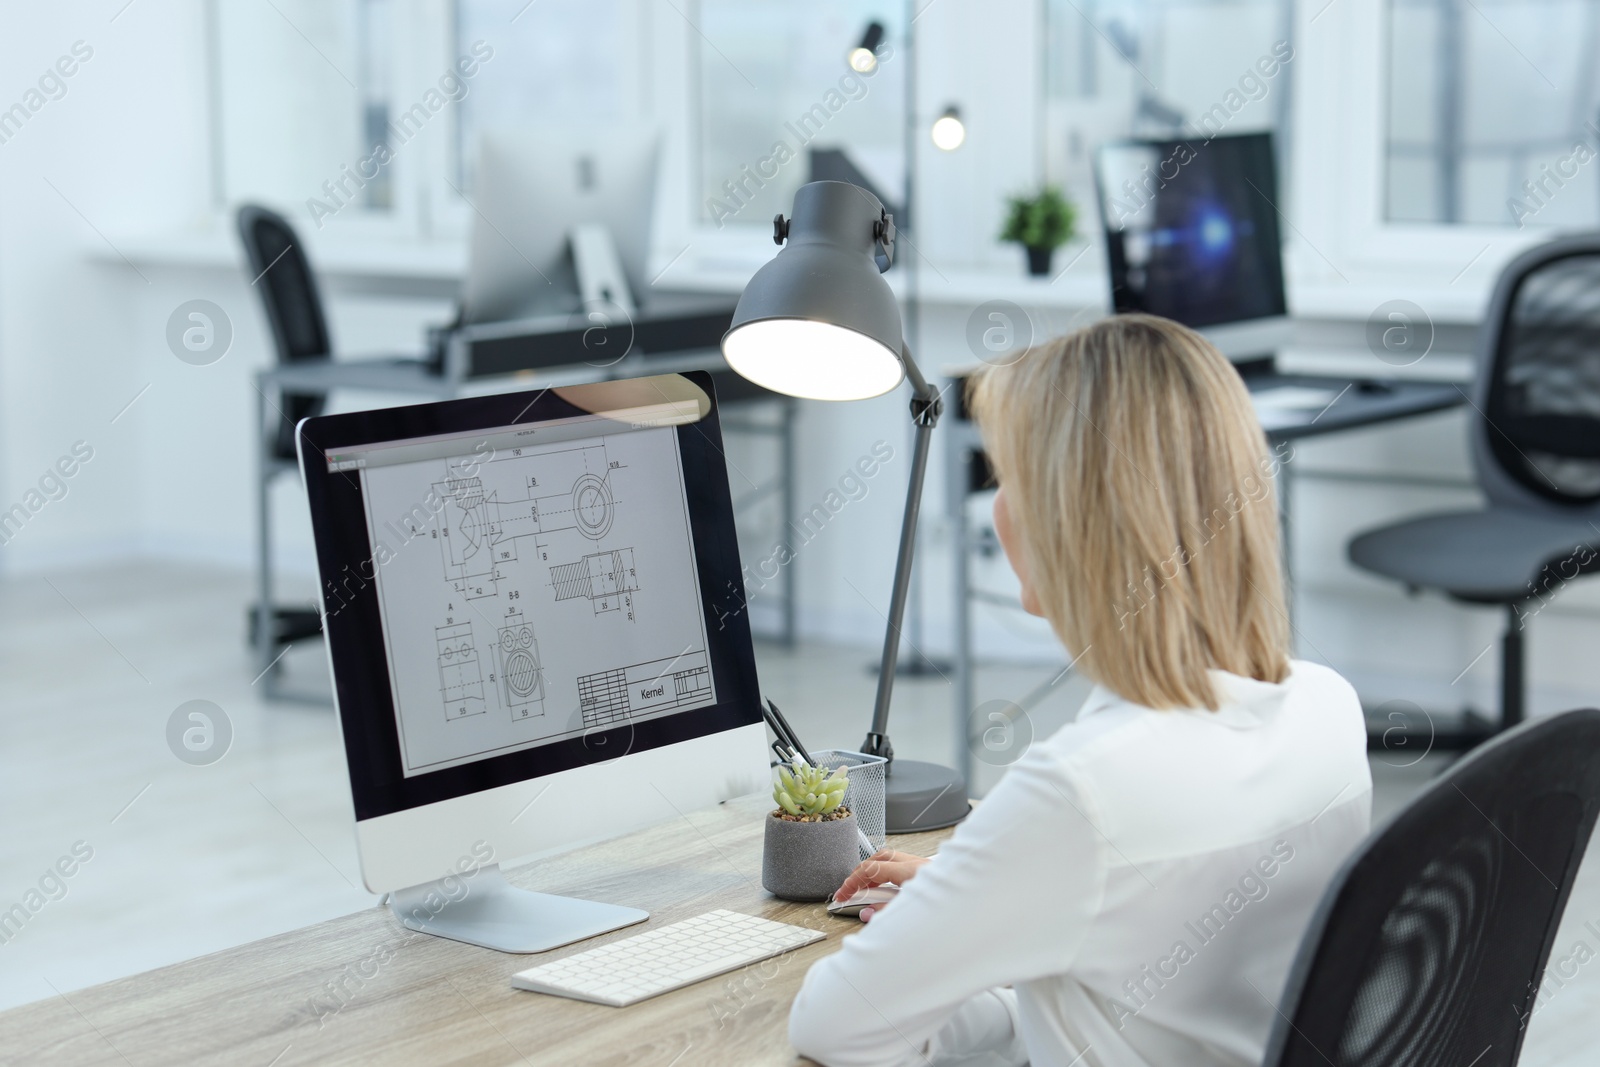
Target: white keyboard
[[661, 960]]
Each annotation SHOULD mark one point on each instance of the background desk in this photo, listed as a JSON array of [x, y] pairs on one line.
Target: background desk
[[413, 999]]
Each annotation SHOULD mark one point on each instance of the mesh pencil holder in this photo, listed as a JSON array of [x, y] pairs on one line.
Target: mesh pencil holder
[[864, 794]]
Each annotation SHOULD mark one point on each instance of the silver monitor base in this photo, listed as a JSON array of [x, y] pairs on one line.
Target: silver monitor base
[[490, 912]]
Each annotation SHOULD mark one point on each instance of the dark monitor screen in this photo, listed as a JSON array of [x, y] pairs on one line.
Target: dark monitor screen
[[1192, 228]]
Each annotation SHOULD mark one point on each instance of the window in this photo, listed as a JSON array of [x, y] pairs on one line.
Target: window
[[1117, 69], [776, 95], [375, 40], [361, 111], [565, 63], [303, 92], [1492, 112]]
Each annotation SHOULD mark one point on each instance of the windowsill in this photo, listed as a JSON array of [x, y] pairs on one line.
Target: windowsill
[[334, 255], [1078, 284]]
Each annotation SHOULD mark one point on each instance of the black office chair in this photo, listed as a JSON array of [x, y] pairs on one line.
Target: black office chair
[[1535, 439], [293, 306], [1428, 947], [280, 272]]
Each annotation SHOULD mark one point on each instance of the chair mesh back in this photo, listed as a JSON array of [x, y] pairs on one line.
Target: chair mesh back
[[1428, 949], [1425, 950], [1544, 404], [282, 275]]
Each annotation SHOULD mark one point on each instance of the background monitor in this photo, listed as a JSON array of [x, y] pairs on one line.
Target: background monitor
[[840, 165], [1191, 231], [533, 610], [532, 189]]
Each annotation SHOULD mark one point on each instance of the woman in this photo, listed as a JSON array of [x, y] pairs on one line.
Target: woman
[[1134, 889]]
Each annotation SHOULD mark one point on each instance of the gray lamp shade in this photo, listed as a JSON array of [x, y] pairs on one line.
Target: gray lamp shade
[[819, 321]]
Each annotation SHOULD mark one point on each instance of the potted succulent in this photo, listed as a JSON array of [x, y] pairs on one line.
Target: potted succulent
[[1041, 223], [810, 846]]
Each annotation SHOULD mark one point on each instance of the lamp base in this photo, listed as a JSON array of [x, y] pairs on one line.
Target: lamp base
[[923, 796], [917, 666]]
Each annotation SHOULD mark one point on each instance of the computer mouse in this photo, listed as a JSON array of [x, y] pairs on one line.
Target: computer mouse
[[870, 897]]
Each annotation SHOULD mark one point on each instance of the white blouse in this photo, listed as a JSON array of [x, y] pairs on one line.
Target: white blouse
[[1141, 880]]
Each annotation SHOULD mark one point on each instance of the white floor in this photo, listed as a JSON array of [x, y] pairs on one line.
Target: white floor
[[192, 859]]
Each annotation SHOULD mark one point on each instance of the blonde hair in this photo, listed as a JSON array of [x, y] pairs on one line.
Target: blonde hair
[[1139, 485]]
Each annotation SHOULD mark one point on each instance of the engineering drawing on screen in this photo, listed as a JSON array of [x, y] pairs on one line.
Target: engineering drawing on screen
[[535, 593]]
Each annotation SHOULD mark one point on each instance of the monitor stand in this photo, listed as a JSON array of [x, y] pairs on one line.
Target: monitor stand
[[602, 283], [495, 914]]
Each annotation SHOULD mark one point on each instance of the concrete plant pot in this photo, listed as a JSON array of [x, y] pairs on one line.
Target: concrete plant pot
[[808, 860]]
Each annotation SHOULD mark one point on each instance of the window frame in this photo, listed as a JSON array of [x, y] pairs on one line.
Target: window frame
[[1339, 174]]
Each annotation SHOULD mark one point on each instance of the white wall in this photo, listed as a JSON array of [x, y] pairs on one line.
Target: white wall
[[125, 142]]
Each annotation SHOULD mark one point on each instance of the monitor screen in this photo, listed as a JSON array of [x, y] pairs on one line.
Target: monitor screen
[[524, 555], [1191, 228], [531, 584]]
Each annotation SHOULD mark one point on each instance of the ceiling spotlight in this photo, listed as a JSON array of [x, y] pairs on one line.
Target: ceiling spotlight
[[864, 56], [948, 130]]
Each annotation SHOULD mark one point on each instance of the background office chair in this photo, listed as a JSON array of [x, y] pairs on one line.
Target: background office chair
[[282, 275], [1535, 442], [279, 270], [1429, 945], [293, 307]]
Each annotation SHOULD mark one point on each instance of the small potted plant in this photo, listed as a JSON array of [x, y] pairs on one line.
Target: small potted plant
[[810, 846], [1041, 223]]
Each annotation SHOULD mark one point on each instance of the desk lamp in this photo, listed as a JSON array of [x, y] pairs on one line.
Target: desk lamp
[[820, 322]]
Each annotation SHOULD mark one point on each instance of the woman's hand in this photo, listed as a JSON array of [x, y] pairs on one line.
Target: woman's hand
[[886, 866]]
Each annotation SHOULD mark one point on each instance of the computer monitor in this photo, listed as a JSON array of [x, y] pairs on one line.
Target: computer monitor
[[534, 192], [532, 610], [1191, 230]]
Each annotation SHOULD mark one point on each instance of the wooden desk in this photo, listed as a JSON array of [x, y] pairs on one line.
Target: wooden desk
[[363, 989]]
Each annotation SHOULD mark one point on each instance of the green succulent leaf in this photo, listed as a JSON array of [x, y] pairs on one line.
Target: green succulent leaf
[[785, 802], [802, 789]]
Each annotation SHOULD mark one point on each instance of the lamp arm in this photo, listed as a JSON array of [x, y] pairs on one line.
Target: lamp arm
[[925, 410], [921, 392]]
